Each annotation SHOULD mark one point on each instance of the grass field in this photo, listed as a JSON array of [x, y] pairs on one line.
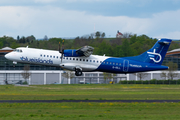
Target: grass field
[[89, 111], [90, 92]]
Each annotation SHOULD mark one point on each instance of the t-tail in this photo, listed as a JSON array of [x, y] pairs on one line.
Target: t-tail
[[156, 54]]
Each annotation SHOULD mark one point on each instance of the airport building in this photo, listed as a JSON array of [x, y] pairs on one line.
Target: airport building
[[40, 75], [173, 56]]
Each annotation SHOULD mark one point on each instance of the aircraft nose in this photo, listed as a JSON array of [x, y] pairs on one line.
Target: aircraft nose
[[7, 56]]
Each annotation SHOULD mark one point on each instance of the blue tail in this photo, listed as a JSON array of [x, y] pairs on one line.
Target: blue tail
[[156, 54]]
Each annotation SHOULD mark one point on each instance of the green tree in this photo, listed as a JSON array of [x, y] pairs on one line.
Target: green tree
[[174, 45], [126, 48], [98, 34], [30, 39], [133, 39], [14, 45], [103, 35], [137, 48], [1, 44], [18, 38], [118, 51], [105, 48]]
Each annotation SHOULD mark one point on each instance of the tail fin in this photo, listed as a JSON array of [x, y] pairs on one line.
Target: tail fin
[[156, 54]]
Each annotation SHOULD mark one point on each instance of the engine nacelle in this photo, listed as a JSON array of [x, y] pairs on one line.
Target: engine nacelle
[[72, 53]]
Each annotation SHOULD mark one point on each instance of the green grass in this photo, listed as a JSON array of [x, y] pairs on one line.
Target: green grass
[[90, 92], [90, 111]]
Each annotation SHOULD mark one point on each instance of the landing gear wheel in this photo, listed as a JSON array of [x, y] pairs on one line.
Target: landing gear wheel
[[78, 72]]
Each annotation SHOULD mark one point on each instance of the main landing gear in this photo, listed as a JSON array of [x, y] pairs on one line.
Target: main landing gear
[[78, 72]]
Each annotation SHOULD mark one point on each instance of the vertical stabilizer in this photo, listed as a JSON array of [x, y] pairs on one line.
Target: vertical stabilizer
[[156, 54]]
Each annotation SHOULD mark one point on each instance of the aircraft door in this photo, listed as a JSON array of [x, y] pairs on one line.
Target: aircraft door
[[125, 65]]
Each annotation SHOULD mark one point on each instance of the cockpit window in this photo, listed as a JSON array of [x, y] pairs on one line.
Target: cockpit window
[[18, 50]]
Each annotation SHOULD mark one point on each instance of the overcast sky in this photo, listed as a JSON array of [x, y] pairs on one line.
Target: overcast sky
[[72, 18]]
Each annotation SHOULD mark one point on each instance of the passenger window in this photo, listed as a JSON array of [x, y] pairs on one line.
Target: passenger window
[[20, 50], [110, 62], [116, 63], [73, 58], [97, 61], [90, 60], [41, 55], [79, 59], [63, 57], [113, 63], [106, 62], [93, 60], [120, 64], [50, 56], [83, 59], [100, 61], [69, 58], [53, 56], [86, 60], [57, 57], [44, 55], [47, 55]]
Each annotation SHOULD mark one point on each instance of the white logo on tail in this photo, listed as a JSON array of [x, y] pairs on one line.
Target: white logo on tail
[[152, 55]]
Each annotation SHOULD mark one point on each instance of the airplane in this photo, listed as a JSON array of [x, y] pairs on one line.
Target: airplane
[[82, 60]]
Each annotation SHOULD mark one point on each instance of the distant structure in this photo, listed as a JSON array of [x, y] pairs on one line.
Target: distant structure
[[119, 34]]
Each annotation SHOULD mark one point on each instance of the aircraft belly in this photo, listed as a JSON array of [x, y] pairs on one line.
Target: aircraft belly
[[87, 68], [84, 67]]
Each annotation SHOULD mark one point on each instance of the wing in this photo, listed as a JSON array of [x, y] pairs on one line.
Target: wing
[[85, 51]]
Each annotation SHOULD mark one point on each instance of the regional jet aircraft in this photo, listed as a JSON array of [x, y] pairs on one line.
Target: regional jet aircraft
[[82, 60]]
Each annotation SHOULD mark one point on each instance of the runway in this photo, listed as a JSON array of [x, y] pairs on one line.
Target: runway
[[76, 101]]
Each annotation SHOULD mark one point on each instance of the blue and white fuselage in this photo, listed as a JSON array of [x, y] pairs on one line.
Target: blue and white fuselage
[[148, 61]]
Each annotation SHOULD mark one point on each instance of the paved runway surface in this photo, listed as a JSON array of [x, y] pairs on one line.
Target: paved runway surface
[[60, 101]]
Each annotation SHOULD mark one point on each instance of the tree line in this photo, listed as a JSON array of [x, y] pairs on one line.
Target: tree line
[[117, 47]]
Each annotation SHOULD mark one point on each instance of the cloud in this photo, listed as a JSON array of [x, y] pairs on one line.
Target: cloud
[[57, 22], [52, 21], [172, 35], [166, 24], [44, 1], [97, 0]]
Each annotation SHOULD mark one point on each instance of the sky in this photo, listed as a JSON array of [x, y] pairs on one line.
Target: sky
[[72, 18]]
